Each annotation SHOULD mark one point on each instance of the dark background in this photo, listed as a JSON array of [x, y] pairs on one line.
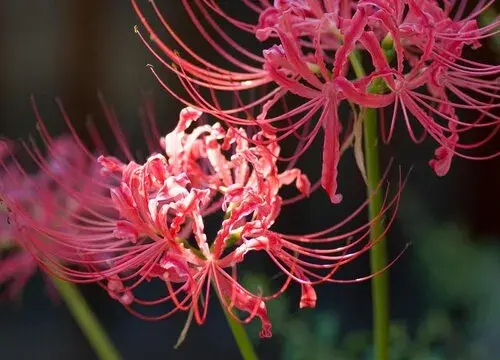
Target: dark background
[[71, 49]]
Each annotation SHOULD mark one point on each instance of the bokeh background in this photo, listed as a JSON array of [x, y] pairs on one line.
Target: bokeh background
[[444, 290]]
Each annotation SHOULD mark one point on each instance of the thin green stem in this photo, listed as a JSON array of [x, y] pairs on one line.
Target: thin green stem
[[86, 320], [244, 344], [378, 253]]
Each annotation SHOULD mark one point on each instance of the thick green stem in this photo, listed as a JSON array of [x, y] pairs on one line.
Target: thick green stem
[[244, 344], [86, 320], [378, 253]]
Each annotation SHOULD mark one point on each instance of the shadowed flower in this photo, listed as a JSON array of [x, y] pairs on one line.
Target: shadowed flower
[[418, 72], [41, 198], [148, 225]]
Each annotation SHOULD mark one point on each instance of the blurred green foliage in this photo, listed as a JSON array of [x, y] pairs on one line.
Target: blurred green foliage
[[487, 18]]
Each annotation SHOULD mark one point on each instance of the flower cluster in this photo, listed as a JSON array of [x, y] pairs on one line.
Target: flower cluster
[[125, 222], [135, 223], [418, 71]]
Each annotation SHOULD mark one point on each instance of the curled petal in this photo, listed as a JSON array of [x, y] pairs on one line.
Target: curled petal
[[443, 157], [308, 297]]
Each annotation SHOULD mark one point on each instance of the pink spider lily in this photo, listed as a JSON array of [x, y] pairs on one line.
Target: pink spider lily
[[147, 223], [429, 82], [41, 199], [15, 268]]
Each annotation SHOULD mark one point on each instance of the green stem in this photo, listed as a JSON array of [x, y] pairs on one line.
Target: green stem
[[86, 320], [246, 348], [378, 253]]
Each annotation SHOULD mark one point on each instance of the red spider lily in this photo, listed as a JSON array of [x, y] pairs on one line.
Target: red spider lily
[[430, 82], [41, 199], [150, 226]]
